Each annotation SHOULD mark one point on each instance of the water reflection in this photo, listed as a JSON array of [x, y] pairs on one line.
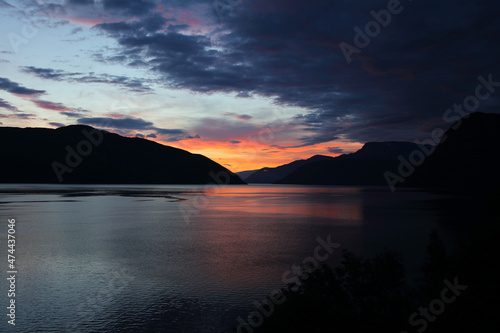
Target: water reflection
[[338, 204], [240, 241]]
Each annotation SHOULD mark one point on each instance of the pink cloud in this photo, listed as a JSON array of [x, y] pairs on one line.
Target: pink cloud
[[50, 105]]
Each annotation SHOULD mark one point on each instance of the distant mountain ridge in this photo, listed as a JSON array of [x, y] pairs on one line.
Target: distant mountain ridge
[[464, 160], [80, 154], [271, 175], [364, 167], [245, 174], [316, 170], [385, 150]]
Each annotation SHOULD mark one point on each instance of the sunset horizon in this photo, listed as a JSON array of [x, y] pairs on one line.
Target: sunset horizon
[[220, 79], [249, 166], [247, 155]]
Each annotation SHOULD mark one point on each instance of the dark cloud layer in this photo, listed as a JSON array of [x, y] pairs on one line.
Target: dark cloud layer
[[56, 124], [80, 2], [137, 124], [129, 7], [32, 95], [17, 89], [4, 4], [17, 115], [71, 114], [6, 105], [396, 87], [59, 75], [152, 23], [335, 150], [427, 58]]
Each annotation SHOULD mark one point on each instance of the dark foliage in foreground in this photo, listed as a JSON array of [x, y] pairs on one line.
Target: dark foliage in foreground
[[357, 296], [370, 295]]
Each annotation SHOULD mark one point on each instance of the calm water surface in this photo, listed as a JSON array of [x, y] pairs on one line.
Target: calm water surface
[[189, 258]]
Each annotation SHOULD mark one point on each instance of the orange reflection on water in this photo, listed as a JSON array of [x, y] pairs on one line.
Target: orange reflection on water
[[242, 229], [323, 202]]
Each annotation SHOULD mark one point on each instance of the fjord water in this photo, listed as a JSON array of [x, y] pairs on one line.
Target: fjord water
[[137, 258]]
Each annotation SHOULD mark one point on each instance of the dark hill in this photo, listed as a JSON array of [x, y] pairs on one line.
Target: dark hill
[[271, 175], [83, 155], [364, 167], [465, 157], [245, 174], [388, 151]]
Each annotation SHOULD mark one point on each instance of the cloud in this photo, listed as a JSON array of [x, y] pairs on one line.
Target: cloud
[[18, 116], [72, 114], [56, 124], [59, 107], [389, 89], [50, 105], [424, 61], [123, 123], [238, 116], [244, 94], [222, 129], [76, 30], [80, 2], [129, 7], [137, 124], [5, 4], [17, 89], [6, 105], [149, 24], [170, 131], [335, 150], [175, 138], [234, 141], [151, 135], [32, 95], [47, 73], [132, 84]]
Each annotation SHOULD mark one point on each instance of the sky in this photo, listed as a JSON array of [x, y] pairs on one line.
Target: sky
[[250, 83]]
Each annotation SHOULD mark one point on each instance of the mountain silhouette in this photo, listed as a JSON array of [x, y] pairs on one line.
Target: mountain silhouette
[[271, 175], [247, 173], [465, 157], [80, 154], [364, 167]]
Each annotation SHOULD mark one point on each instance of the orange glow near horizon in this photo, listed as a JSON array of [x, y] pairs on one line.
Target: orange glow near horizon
[[242, 156], [251, 156]]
